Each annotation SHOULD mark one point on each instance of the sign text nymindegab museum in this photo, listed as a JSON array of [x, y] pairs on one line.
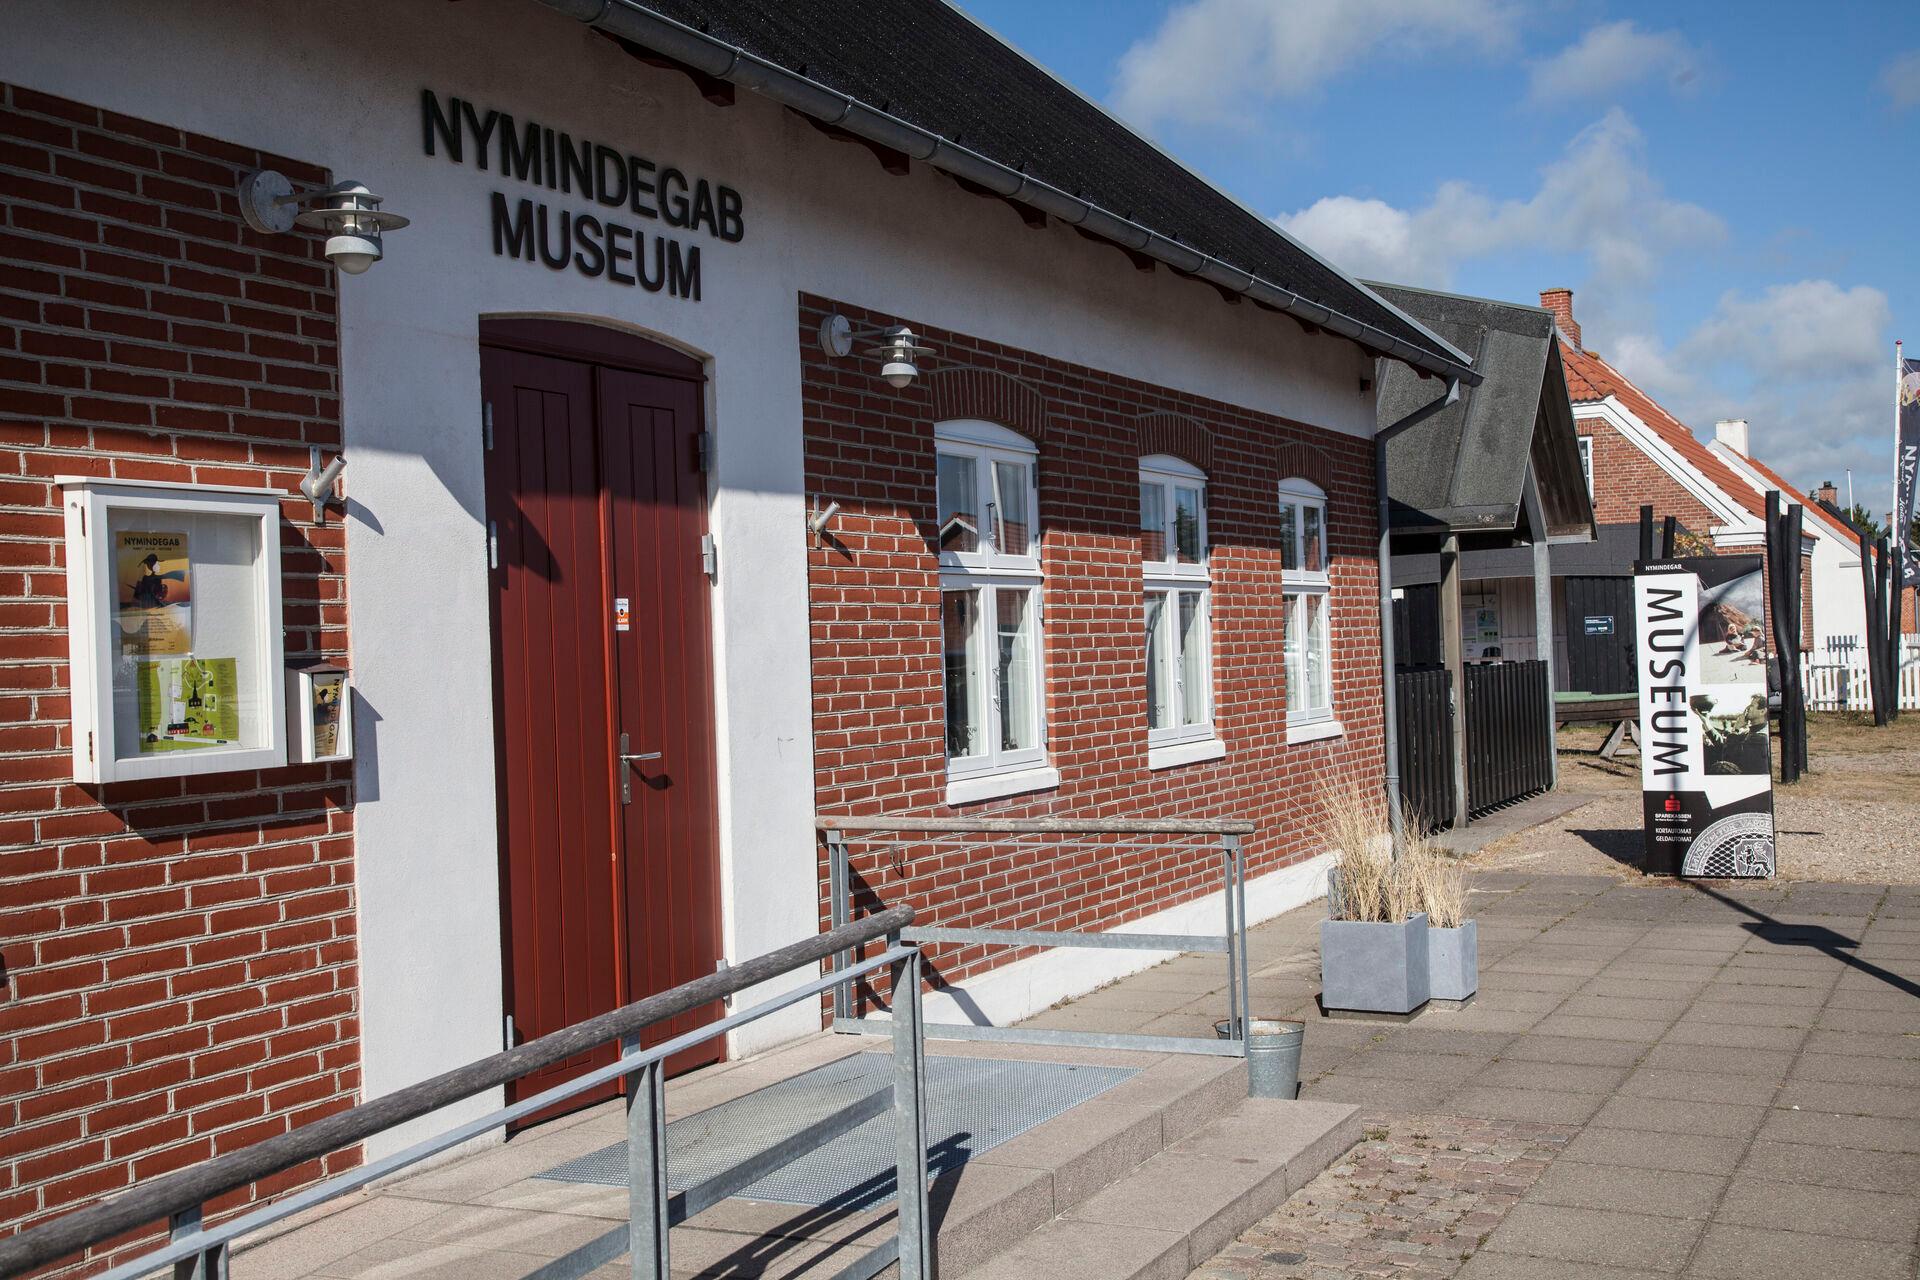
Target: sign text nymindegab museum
[[596, 244]]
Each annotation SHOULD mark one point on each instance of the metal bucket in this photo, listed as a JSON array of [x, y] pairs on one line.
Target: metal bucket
[[1273, 1055]]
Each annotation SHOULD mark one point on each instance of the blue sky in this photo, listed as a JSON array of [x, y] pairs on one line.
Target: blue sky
[[1726, 190]]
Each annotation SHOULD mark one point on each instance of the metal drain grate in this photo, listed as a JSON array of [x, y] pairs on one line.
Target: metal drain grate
[[974, 1105]]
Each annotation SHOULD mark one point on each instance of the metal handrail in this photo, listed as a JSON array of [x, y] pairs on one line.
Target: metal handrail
[[177, 1197], [840, 831], [1046, 826]]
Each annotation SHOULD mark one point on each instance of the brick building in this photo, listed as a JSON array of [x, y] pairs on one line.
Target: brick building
[[617, 482]]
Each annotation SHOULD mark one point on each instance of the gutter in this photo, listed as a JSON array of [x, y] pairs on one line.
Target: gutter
[[1389, 710], [723, 61]]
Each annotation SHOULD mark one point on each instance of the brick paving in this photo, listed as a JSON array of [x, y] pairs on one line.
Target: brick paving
[[1416, 1198], [1656, 1079]]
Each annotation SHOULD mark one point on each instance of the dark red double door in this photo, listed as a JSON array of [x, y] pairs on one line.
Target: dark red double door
[[596, 511]]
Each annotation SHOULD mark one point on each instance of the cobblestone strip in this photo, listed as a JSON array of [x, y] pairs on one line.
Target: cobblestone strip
[[1415, 1198]]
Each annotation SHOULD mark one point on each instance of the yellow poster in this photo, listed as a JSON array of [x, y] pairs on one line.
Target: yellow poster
[[153, 593], [188, 703], [327, 691]]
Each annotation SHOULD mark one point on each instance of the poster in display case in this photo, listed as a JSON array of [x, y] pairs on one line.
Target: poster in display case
[[174, 629]]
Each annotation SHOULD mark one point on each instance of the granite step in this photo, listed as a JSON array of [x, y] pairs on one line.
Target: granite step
[[1180, 1207]]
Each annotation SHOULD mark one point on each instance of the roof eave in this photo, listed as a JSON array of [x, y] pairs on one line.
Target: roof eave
[[729, 62]]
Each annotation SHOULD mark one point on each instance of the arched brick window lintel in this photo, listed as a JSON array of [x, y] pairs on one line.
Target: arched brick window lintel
[[1185, 438], [987, 395], [1293, 458]]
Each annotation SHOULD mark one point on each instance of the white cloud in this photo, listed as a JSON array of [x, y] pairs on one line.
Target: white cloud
[[1809, 364], [1598, 201], [1212, 61], [1901, 79], [1612, 57]]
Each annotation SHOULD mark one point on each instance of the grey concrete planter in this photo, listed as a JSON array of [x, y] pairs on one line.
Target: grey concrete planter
[[1372, 967], [1453, 961]]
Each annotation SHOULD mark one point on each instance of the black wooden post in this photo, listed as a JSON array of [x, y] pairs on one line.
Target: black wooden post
[[1877, 625], [1896, 574], [1667, 530], [1792, 676], [1873, 629], [1646, 532]]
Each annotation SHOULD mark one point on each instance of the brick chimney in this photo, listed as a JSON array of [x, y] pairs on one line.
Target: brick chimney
[[1560, 302], [1732, 432], [1827, 493]]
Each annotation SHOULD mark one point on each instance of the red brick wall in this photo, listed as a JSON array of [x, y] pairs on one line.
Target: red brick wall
[[1624, 477], [877, 672], [179, 955]]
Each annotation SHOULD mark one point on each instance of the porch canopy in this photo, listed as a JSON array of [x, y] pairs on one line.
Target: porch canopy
[[1497, 472]]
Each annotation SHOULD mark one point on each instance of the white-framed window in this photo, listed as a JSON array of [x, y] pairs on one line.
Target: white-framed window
[[1309, 625], [990, 611], [1178, 610], [1586, 463]]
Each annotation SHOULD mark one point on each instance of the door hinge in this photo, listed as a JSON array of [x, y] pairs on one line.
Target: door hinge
[[709, 556], [509, 1032], [486, 426], [703, 451], [89, 746], [493, 544]]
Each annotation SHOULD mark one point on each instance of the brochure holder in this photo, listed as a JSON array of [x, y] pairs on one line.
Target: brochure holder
[[319, 713], [174, 629]]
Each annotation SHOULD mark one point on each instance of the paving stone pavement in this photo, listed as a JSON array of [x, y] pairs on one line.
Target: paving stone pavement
[[1703, 1080]]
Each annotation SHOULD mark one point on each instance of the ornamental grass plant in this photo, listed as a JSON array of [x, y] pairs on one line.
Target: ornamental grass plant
[[1372, 885]]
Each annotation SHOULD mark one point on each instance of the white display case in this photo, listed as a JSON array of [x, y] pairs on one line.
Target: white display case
[[319, 713], [174, 629]]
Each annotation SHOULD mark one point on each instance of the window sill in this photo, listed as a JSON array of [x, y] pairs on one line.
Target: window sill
[[1314, 730], [991, 786], [1178, 753]]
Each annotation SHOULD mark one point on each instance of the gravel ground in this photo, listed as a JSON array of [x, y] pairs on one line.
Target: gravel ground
[[1854, 817]]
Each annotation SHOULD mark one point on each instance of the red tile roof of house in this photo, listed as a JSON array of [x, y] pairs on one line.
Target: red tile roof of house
[[1589, 378], [1814, 509]]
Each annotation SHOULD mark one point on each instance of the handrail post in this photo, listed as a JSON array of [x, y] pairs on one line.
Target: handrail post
[[910, 1123], [210, 1264], [1229, 858], [839, 907], [646, 1167], [1240, 934]]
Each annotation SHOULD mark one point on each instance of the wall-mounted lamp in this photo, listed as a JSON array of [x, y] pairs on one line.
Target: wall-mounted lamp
[[319, 483], [348, 212], [897, 347], [821, 517]]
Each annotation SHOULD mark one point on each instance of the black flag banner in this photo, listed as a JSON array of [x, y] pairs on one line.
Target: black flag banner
[[1906, 459]]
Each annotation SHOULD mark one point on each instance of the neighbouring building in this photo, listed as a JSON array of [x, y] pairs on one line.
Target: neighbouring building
[[643, 560], [1633, 453]]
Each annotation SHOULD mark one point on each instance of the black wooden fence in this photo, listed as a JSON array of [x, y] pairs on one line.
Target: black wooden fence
[[1509, 738], [1423, 714]]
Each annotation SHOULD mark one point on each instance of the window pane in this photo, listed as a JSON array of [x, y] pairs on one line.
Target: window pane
[[1193, 659], [1289, 543], [1153, 522], [1296, 674], [1311, 553], [1013, 523], [959, 623], [1159, 664], [1018, 701], [1186, 525], [1317, 655], [959, 486]]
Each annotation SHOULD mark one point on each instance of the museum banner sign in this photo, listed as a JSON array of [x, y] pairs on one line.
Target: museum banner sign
[[1706, 769]]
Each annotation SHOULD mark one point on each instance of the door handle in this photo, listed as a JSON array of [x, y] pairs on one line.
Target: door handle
[[627, 760]]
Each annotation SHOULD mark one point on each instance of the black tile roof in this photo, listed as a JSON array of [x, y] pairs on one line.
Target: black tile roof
[[930, 65]]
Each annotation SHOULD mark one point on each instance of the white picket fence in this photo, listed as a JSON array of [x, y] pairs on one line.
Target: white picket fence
[[1837, 680]]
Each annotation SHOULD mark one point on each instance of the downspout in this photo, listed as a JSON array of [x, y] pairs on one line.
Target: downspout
[[1389, 708], [731, 63]]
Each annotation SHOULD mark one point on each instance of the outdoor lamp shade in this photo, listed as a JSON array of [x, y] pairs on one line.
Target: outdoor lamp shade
[[353, 254], [898, 372]]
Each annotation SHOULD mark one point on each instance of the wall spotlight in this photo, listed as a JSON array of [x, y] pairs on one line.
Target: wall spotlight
[[897, 348], [348, 212]]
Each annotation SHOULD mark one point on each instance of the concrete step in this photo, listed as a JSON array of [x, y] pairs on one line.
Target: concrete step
[[1000, 1196], [1180, 1207]]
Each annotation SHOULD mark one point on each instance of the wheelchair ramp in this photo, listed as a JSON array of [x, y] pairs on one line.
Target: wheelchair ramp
[[974, 1105]]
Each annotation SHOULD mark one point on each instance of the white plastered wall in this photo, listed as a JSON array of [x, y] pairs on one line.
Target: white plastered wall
[[340, 86]]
